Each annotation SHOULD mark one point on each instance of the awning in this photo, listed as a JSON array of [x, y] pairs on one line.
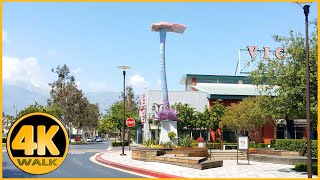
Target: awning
[[229, 91]]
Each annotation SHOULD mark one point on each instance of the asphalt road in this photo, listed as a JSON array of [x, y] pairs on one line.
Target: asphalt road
[[76, 165]]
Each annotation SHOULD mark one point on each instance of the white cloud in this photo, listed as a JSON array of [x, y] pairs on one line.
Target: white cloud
[[138, 81], [24, 73], [4, 36], [76, 70], [97, 86]]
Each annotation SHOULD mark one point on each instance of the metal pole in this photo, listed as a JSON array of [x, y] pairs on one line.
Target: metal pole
[[306, 12], [129, 138], [124, 111]]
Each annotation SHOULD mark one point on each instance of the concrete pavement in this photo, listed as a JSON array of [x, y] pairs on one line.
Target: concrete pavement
[[229, 170]]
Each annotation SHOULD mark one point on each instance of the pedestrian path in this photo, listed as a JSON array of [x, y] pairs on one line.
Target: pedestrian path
[[230, 169]]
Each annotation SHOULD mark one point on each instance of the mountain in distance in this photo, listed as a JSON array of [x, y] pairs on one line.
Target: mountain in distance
[[19, 97], [104, 99]]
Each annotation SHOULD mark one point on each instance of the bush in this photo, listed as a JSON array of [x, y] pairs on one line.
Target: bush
[[115, 144], [302, 167], [172, 135], [185, 141], [148, 143], [4, 140], [259, 145], [168, 145], [299, 145]]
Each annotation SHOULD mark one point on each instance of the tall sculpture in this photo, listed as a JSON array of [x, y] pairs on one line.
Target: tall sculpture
[[167, 116]]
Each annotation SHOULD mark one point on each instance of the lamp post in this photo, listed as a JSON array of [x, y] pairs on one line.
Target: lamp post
[[15, 107], [124, 68], [309, 164]]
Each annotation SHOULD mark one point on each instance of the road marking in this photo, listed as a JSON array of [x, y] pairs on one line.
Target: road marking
[[76, 152], [109, 148]]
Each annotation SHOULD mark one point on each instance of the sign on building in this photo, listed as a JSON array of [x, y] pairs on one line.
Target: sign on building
[[142, 111]]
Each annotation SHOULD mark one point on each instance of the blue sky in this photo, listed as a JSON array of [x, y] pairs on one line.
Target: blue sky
[[94, 38]]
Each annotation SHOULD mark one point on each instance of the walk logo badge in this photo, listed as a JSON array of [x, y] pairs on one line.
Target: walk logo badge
[[37, 143]]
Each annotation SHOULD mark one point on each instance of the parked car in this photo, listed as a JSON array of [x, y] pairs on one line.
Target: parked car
[[89, 140], [99, 139]]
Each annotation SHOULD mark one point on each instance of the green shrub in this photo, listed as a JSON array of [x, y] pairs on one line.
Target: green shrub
[[299, 145], [302, 167], [148, 143], [115, 144], [259, 145], [186, 141], [4, 140], [172, 135], [167, 145]]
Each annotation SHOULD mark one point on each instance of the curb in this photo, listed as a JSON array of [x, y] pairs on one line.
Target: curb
[[134, 169]]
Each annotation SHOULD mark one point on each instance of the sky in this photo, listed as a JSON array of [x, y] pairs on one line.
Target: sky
[[94, 38]]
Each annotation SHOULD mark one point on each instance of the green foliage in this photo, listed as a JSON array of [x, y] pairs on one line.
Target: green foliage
[[4, 140], [69, 104], [116, 144], [148, 143], [302, 167], [185, 141], [299, 145], [171, 135], [113, 119], [248, 116], [286, 78], [191, 119], [167, 145]]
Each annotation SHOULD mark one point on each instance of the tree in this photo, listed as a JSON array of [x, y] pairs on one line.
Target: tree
[[31, 109], [70, 104], [62, 91], [246, 117], [114, 116], [188, 119], [287, 78]]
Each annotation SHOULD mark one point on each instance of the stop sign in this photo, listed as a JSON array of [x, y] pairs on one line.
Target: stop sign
[[130, 122]]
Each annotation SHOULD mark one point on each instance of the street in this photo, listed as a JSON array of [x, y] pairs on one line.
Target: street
[[76, 165]]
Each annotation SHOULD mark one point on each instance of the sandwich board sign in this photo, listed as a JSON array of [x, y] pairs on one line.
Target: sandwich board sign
[[243, 144]]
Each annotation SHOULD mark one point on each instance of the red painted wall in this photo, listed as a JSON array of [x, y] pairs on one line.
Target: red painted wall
[[225, 102], [268, 133]]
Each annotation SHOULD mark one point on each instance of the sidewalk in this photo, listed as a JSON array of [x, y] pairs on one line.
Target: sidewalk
[[229, 170]]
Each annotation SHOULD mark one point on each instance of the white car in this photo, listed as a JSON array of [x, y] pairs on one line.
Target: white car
[[99, 139], [89, 140]]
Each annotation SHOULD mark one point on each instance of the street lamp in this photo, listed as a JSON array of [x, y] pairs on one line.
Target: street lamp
[[15, 107], [124, 68], [309, 166]]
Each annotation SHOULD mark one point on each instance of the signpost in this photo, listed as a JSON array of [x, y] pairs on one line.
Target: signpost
[[243, 144], [130, 122]]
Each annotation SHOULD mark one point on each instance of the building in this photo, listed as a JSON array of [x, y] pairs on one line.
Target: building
[[202, 90], [232, 89]]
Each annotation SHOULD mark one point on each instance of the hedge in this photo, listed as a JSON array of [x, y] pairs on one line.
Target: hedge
[[115, 144], [299, 145], [302, 167]]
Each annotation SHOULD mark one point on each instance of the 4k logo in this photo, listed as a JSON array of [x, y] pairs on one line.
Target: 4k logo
[[37, 143]]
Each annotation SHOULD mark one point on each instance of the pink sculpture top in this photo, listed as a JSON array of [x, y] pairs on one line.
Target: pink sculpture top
[[170, 27]]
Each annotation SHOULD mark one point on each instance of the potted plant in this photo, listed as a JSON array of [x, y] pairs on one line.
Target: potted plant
[[201, 142]]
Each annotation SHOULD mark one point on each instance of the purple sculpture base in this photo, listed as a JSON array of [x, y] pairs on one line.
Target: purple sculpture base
[[167, 114]]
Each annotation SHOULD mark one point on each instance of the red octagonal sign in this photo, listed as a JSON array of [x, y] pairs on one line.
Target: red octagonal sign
[[130, 122]]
